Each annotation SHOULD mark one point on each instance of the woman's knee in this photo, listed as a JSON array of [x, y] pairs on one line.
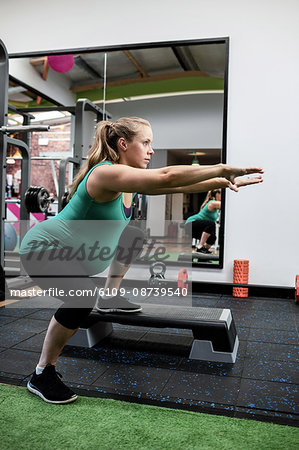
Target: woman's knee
[[72, 318], [211, 239], [210, 228]]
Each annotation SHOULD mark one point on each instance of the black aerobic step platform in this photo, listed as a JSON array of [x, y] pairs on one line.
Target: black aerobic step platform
[[214, 332]]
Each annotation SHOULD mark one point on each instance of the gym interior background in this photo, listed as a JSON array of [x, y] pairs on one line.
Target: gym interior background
[[261, 117], [248, 117]]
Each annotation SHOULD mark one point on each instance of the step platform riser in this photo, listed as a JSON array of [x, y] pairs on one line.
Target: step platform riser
[[214, 331]]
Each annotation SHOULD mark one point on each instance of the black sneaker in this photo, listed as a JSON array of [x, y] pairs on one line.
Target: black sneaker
[[50, 388], [204, 250], [117, 304]]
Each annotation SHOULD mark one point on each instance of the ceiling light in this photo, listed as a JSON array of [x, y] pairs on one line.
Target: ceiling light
[[12, 159], [197, 153]]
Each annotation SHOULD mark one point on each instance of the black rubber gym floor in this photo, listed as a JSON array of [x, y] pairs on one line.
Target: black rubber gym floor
[[151, 365]]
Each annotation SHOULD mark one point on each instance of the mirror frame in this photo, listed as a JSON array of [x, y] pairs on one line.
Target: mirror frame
[[147, 45]]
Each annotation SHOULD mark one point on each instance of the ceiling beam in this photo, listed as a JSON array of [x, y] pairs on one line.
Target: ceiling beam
[[80, 62], [38, 61], [185, 58], [31, 95], [45, 69], [138, 66], [42, 61], [162, 77], [44, 77]]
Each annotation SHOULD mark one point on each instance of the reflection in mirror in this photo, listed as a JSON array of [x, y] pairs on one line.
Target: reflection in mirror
[[47, 149], [179, 87]]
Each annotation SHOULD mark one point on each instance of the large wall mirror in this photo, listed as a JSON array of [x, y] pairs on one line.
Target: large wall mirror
[[180, 87]]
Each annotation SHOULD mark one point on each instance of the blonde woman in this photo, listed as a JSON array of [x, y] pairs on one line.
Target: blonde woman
[[102, 191], [202, 226]]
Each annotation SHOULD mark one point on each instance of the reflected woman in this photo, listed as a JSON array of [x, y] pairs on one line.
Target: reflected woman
[[202, 226]]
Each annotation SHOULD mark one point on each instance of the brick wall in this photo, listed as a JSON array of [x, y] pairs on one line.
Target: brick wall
[[58, 140]]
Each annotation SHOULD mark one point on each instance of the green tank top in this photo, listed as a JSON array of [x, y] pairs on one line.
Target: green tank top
[[205, 214], [85, 228]]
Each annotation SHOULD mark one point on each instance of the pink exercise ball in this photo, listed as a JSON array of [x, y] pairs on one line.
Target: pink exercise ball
[[61, 63]]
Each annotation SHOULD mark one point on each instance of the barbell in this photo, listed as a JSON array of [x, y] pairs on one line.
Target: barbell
[[37, 199]]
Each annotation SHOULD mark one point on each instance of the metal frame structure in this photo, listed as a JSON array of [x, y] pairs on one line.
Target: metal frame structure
[[81, 107], [78, 111], [23, 146], [3, 140]]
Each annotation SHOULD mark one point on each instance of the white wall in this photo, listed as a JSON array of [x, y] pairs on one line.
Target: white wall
[[262, 222], [185, 121], [157, 203], [57, 87]]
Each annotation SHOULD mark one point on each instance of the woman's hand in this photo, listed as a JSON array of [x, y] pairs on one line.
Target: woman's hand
[[244, 181], [235, 176]]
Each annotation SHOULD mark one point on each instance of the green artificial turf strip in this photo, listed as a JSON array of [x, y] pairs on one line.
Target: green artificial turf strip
[[27, 422]]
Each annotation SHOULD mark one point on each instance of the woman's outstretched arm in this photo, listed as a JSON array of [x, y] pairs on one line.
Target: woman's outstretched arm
[[123, 178], [209, 185]]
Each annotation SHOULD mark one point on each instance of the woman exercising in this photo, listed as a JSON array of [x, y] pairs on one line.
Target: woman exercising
[[68, 248], [202, 226]]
